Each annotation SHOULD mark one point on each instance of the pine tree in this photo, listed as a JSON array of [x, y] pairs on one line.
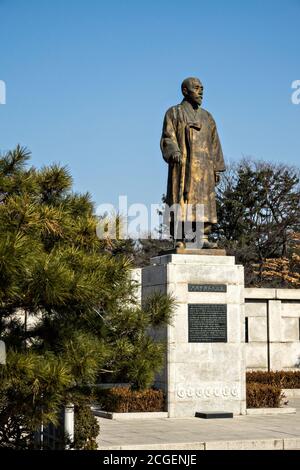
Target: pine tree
[[68, 312], [258, 213]]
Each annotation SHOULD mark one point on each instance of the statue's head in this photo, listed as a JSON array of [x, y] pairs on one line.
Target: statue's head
[[192, 90]]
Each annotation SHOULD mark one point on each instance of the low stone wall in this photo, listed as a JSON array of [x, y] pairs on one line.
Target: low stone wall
[[272, 320]]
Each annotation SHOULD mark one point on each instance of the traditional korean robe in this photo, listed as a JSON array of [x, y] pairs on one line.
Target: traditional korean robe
[[193, 133]]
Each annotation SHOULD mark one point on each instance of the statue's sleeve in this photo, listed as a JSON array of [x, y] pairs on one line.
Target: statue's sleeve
[[218, 158], [168, 142]]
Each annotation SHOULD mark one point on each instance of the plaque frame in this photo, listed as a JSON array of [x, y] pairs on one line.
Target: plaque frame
[[204, 287]]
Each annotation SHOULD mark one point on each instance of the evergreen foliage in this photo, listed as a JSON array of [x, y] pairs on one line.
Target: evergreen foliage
[[68, 312], [258, 217]]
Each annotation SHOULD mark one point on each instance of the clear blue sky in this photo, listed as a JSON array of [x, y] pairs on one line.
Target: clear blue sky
[[88, 83]]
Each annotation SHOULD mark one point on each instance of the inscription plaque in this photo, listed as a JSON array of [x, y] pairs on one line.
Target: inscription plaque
[[207, 323], [207, 288]]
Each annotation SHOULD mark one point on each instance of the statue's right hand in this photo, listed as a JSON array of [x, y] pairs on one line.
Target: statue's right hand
[[176, 157]]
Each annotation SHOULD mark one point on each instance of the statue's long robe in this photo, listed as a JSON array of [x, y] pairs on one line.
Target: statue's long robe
[[193, 133]]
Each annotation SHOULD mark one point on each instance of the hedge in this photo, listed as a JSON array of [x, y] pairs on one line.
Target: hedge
[[263, 395], [283, 379], [125, 400], [86, 428]]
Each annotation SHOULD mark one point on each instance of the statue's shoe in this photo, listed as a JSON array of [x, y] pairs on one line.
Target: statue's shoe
[[180, 245], [209, 245]]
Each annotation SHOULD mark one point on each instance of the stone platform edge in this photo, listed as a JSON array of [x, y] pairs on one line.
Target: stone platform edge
[[270, 411], [291, 392], [164, 414], [245, 444], [130, 416]]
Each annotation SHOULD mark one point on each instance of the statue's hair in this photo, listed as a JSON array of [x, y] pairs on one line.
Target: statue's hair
[[186, 81]]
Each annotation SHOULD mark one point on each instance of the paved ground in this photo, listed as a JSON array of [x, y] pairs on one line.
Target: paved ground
[[242, 432]]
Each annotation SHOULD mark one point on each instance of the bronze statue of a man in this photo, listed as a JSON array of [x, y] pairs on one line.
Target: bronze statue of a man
[[191, 146]]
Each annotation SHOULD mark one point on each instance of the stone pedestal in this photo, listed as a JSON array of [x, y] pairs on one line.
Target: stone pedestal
[[205, 365]]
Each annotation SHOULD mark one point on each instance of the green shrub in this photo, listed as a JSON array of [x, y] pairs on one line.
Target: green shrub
[[86, 428], [125, 400], [263, 395], [283, 379]]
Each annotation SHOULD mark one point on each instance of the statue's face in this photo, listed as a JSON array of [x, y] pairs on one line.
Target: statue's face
[[193, 91]]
